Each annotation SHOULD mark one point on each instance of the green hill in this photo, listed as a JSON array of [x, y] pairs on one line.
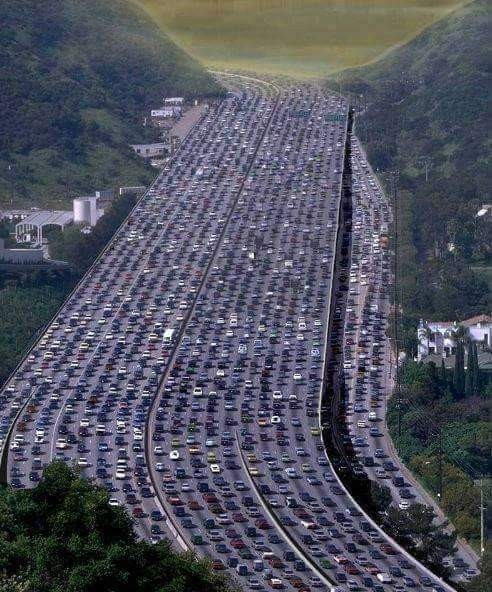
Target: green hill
[[429, 100], [77, 77]]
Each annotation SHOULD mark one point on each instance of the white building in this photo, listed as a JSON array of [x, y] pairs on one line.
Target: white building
[[166, 112], [20, 256], [157, 150], [137, 190], [30, 229], [436, 337], [178, 101]]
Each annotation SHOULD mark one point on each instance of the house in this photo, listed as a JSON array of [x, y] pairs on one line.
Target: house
[[439, 338]]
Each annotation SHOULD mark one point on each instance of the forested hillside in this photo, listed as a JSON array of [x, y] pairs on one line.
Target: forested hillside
[[427, 115], [76, 78]]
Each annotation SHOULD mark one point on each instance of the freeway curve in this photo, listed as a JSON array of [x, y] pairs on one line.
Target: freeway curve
[[184, 373]]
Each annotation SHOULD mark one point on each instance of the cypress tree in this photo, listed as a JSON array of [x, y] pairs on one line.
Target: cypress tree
[[469, 371], [476, 372], [459, 371], [444, 378]]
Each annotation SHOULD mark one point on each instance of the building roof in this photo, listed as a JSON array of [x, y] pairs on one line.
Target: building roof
[[484, 360], [45, 218], [154, 145], [483, 318]]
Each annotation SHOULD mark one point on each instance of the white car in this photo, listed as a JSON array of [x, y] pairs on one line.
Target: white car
[[215, 468], [174, 455]]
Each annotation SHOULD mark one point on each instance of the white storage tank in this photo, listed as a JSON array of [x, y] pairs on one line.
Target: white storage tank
[[81, 210]]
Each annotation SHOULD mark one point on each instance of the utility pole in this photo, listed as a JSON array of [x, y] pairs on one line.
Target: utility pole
[[426, 162], [439, 466], [481, 483], [12, 185]]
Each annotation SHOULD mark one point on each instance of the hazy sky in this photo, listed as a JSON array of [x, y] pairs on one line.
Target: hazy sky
[[297, 37]]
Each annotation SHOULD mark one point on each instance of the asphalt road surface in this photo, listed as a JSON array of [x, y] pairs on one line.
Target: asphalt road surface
[[184, 373]]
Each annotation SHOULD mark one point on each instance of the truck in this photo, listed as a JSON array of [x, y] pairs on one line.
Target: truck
[[168, 336], [384, 578]]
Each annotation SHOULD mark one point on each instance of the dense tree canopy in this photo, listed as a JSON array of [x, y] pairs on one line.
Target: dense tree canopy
[[63, 536], [417, 529], [437, 419], [428, 105]]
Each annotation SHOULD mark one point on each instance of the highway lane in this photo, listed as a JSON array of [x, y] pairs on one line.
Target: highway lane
[[232, 249], [235, 234], [132, 240], [369, 356], [227, 315]]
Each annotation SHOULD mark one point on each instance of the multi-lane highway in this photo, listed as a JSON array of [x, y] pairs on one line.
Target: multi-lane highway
[[368, 359], [185, 372]]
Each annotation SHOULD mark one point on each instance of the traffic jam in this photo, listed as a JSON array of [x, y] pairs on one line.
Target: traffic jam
[[184, 373]]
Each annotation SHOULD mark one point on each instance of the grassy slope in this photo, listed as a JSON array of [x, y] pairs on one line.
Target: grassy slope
[[23, 311], [77, 77], [430, 98]]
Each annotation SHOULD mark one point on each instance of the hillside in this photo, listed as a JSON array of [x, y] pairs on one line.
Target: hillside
[[76, 78], [428, 103]]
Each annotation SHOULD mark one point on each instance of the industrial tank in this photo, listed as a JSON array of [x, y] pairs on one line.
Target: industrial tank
[[81, 211]]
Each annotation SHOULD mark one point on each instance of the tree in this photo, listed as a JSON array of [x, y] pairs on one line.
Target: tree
[[469, 376], [417, 530], [481, 583], [459, 370], [380, 496], [443, 375], [13, 584], [476, 373], [63, 536]]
